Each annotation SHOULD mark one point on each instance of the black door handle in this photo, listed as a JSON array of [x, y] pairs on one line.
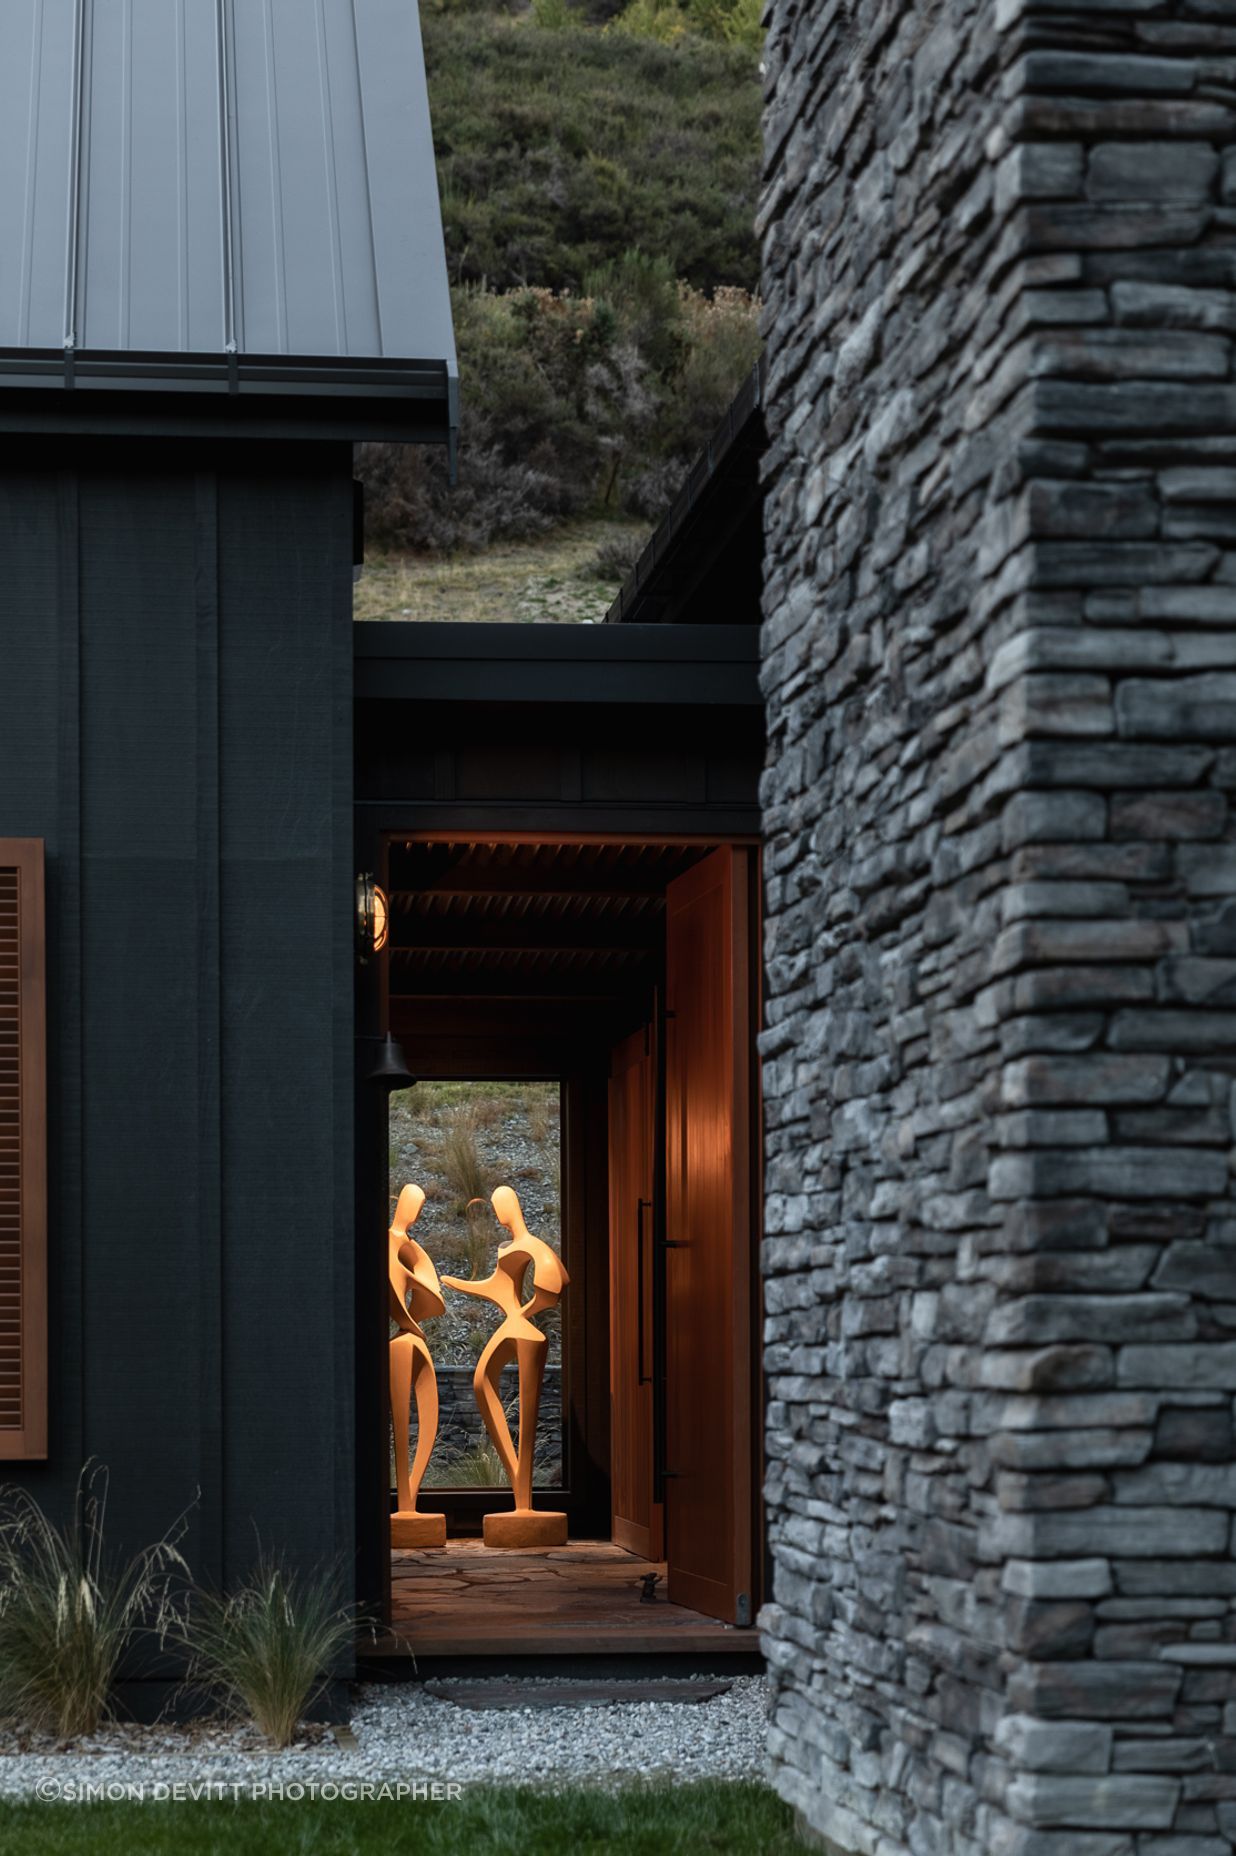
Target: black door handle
[[643, 1378]]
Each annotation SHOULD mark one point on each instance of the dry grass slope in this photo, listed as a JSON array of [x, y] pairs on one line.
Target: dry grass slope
[[567, 578]]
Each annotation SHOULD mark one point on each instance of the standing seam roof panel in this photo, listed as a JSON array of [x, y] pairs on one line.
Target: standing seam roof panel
[[150, 221], [36, 117], [320, 199]]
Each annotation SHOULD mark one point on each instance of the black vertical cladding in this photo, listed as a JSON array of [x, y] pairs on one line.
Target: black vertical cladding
[[209, 1028], [39, 798], [371, 1107], [287, 1284], [139, 979], [175, 722]]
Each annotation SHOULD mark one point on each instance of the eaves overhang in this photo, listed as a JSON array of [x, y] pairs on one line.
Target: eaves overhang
[[223, 213]]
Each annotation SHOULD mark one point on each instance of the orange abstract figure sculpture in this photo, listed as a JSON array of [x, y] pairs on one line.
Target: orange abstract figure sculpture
[[519, 1340], [415, 1294]]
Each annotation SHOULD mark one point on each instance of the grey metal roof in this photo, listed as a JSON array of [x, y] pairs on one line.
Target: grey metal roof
[[198, 192]]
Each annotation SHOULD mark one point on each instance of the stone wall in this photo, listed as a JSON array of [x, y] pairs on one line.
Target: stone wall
[[461, 1430], [1000, 662]]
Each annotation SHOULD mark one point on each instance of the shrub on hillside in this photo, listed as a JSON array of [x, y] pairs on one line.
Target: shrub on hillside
[[732, 22], [558, 148], [596, 403], [728, 22]]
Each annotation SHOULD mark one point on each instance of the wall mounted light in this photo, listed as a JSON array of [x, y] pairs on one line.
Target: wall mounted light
[[373, 920]]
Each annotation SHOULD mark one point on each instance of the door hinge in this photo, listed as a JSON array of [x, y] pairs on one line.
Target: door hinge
[[742, 1608]]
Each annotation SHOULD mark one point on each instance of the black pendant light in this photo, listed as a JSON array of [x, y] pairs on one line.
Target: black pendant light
[[389, 1066]]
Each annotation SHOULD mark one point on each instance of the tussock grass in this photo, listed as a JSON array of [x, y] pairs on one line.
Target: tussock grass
[[266, 1650], [68, 1612], [466, 1173], [477, 1468], [481, 1243], [542, 1118]]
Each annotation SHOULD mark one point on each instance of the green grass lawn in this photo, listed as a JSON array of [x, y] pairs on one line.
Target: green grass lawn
[[745, 1820]]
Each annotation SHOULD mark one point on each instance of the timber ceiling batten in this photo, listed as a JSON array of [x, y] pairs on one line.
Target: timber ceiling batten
[[493, 920], [23, 1366], [228, 196]]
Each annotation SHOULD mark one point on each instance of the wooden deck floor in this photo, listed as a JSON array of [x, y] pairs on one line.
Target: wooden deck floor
[[581, 1599]]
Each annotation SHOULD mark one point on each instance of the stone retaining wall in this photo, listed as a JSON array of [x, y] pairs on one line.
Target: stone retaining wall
[[460, 1428], [1000, 662]]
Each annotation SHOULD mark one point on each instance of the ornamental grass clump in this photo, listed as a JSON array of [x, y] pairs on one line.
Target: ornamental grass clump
[[266, 1650], [68, 1613], [479, 1467]]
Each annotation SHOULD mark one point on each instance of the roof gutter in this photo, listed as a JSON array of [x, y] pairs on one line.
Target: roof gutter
[[75, 389]]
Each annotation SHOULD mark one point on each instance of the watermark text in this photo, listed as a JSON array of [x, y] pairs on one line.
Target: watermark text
[[289, 1791]]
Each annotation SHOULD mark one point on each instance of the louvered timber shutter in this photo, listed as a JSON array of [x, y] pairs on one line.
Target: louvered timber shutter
[[23, 1152]]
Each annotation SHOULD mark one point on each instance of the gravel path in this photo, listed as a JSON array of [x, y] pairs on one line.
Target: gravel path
[[405, 1733]]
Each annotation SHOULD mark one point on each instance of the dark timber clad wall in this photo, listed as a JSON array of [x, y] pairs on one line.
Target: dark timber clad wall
[[175, 722]]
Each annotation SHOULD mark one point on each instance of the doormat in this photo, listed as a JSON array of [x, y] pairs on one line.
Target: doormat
[[549, 1694]]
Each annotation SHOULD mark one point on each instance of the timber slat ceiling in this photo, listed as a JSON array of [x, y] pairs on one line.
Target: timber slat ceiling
[[502, 920]]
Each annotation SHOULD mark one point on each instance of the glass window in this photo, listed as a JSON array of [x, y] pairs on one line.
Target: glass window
[[458, 1141]]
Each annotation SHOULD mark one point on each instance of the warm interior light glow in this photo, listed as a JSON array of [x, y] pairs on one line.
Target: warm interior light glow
[[372, 915]]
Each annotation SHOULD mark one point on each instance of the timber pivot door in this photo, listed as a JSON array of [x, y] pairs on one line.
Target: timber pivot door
[[708, 1471]]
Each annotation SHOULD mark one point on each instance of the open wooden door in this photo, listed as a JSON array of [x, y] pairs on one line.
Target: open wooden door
[[637, 1518], [708, 1417]]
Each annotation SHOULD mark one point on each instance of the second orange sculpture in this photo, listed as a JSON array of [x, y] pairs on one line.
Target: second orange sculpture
[[517, 1339]]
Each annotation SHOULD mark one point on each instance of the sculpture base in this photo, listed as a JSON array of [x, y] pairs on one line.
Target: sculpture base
[[409, 1529], [525, 1527]]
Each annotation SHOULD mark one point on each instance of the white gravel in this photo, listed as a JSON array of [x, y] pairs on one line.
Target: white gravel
[[403, 1733]]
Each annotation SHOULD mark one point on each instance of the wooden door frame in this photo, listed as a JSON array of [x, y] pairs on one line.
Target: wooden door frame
[[376, 830]]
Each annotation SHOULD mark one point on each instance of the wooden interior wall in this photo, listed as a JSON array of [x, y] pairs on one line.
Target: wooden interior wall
[[175, 723]]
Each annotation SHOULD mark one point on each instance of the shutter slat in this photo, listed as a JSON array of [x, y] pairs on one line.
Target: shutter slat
[[11, 1348]]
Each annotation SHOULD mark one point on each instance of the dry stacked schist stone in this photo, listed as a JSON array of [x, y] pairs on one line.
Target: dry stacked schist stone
[[1000, 662]]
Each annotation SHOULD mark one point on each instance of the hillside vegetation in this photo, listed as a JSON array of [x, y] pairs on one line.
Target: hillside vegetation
[[598, 165], [559, 149]]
